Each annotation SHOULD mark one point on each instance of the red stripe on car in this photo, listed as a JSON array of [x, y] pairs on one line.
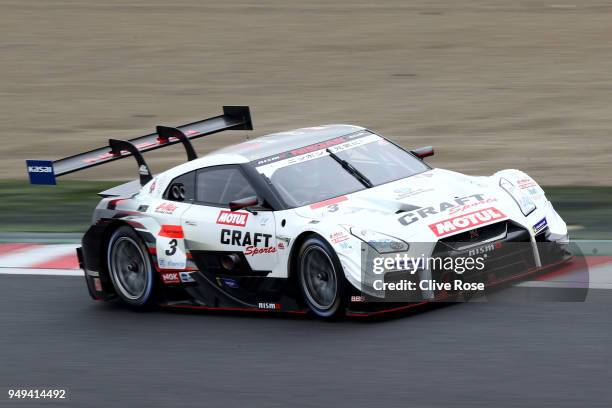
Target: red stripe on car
[[171, 231], [328, 202]]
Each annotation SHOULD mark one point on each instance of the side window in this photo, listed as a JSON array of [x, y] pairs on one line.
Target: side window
[[182, 188], [220, 185]]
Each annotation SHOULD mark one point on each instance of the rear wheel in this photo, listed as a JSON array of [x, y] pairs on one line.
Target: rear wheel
[[321, 279], [130, 268]]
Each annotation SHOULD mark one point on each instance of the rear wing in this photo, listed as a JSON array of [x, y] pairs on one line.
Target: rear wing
[[233, 118]]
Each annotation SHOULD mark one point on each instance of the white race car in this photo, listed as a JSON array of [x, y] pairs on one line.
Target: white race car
[[292, 221]]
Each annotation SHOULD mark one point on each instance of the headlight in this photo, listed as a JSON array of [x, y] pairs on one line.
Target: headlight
[[382, 243], [525, 203]]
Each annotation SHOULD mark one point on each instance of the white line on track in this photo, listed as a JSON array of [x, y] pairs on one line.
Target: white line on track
[[49, 272], [565, 284]]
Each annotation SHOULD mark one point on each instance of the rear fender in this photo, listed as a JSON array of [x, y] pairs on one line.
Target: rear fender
[[95, 245]]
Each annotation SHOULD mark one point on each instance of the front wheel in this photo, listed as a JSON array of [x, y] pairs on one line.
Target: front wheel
[[321, 279], [130, 268]]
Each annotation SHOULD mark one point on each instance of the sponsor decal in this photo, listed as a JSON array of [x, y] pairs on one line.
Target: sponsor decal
[[317, 146], [236, 219], [231, 283], [269, 306], [533, 191], [171, 231], [345, 246], [526, 183], [186, 277], [253, 250], [329, 202], [166, 208], [97, 284], [152, 188], [269, 159], [409, 192], [318, 149], [540, 225], [281, 245], [338, 237], [245, 238], [466, 221], [170, 263], [357, 299], [170, 278], [40, 171], [485, 249], [455, 206], [143, 170]]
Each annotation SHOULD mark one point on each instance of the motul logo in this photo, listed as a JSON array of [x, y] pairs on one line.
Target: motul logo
[[466, 221], [232, 218]]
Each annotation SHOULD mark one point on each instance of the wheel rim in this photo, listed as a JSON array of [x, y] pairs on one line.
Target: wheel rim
[[319, 278], [128, 268]]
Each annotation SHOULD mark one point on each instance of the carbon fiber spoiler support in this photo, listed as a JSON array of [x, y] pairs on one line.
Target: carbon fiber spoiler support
[[233, 118], [118, 146], [166, 133]]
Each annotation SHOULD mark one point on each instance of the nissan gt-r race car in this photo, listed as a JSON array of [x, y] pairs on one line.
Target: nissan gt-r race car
[[302, 221]]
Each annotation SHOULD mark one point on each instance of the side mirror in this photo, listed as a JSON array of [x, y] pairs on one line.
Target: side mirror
[[423, 152], [244, 203]]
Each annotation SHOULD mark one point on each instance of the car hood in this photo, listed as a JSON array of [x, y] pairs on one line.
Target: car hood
[[413, 206]]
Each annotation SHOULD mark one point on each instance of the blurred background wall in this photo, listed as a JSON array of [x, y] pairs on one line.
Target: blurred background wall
[[491, 84]]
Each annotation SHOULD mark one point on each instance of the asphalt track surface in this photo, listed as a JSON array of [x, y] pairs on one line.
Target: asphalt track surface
[[550, 354]]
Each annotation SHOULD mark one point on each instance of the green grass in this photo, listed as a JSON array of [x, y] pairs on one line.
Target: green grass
[[68, 206], [589, 208]]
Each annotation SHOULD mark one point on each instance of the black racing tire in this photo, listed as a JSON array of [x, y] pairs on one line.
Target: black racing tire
[[321, 279], [130, 269]]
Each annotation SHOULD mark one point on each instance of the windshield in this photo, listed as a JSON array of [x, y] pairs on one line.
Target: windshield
[[309, 174]]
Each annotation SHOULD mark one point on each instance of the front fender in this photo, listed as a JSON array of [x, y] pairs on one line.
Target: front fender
[[556, 225]]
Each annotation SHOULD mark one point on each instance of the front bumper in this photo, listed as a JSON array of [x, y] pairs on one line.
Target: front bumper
[[511, 254]]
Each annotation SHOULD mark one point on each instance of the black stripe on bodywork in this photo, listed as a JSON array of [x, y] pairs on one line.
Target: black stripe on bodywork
[[210, 261]]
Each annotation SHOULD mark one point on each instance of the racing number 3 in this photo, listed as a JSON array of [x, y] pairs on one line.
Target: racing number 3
[[170, 247], [172, 244]]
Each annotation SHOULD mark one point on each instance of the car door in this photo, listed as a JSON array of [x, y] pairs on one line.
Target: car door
[[167, 210], [225, 242]]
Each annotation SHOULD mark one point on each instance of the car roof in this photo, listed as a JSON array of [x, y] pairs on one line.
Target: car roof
[[275, 143], [265, 146]]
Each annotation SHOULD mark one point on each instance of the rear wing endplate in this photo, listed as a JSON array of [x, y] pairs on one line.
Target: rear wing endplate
[[233, 118]]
